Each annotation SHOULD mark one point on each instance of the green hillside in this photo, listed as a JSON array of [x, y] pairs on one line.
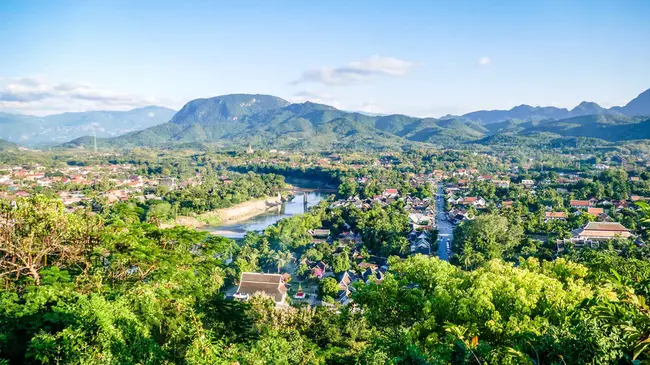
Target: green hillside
[[234, 121], [6, 145]]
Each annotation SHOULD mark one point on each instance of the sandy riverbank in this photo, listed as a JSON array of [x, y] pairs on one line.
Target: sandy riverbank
[[234, 214]]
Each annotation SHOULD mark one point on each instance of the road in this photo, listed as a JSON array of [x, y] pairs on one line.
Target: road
[[445, 228]]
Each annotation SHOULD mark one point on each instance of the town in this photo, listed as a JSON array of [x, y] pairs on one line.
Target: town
[[343, 242]]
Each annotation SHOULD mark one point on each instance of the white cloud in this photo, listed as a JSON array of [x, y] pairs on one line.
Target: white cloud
[[484, 61], [357, 71], [38, 96]]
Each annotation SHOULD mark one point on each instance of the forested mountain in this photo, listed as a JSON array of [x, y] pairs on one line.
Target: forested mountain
[[518, 112], [267, 121], [58, 128], [6, 145], [639, 106]]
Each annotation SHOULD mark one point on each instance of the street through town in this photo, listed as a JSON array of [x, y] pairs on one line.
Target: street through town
[[445, 228]]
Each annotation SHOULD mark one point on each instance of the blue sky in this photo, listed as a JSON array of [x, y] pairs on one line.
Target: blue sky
[[413, 57]]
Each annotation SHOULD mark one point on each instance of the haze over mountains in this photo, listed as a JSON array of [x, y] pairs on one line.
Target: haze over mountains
[[59, 128], [267, 121]]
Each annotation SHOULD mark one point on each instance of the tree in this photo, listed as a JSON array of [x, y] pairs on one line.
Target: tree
[[36, 233], [281, 258], [158, 212], [341, 263], [328, 288], [487, 237]]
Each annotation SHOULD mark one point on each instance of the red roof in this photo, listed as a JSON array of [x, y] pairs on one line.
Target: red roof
[[390, 191], [595, 211], [580, 203], [555, 215]]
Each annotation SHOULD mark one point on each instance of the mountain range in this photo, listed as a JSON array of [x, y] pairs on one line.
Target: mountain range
[[267, 121], [58, 128], [638, 106]]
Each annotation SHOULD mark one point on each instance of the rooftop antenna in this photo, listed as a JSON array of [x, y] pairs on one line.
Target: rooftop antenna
[[95, 141]]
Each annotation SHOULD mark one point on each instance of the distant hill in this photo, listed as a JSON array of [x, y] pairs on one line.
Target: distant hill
[[639, 106], [6, 145], [264, 121], [234, 121], [55, 129], [588, 108], [604, 126], [525, 112]]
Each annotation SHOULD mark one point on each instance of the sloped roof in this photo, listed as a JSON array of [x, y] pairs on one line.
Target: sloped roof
[[605, 226], [580, 203], [268, 284], [555, 215]]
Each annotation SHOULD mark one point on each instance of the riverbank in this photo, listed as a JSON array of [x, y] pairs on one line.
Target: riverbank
[[231, 215]]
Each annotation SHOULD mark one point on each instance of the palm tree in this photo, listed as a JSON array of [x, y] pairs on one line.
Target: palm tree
[[282, 258], [644, 208]]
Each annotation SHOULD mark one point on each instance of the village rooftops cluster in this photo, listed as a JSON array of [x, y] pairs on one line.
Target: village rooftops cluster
[[68, 182]]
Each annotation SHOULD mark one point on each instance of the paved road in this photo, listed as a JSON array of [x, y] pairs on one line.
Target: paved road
[[445, 228]]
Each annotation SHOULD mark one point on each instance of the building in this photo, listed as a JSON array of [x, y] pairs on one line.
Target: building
[[391, 193], [580, 204], [595, 211], [602, 231], [551, 216], [528, 183], [270, 285]]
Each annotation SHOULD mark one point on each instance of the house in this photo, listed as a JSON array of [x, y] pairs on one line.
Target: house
[[475, 201], [270, 285], [345, 279], [595, 211], [319, 235], [580, 204], [636, 198], [458, 215], [601, 166], [350, 238], [454, 201], [604, 218], [390, 193], [552, 216], [420, 244], [372, 275], [420, 219], [317, 269], [620, 204], [504, 184], [602, 231], [528, 183]]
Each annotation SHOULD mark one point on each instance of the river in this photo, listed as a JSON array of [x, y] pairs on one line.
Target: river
[[260, 222]]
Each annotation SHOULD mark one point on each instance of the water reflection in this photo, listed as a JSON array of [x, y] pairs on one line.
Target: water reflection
[[260, 222]]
